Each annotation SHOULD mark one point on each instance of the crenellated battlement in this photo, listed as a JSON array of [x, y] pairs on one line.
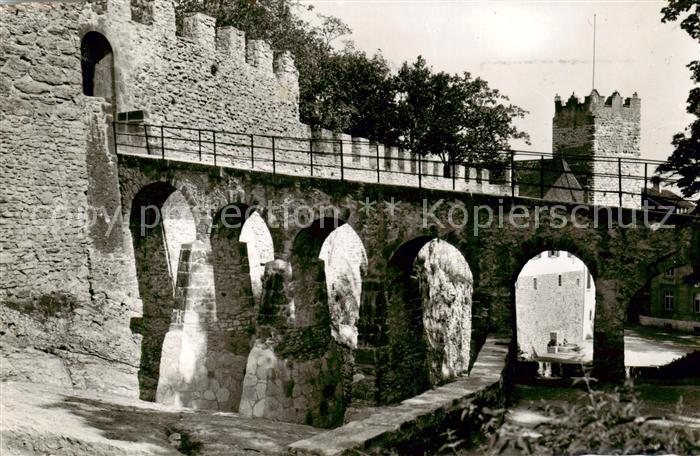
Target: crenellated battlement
[[597, 104], [142, 34], [604, 127]]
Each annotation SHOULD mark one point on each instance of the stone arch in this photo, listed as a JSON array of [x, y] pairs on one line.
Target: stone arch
[[139, 182], [308, 290], [428, 290], [555, 294], [528, 249], [230, 260], [179, 227], [97, 64], [345, 264], [646, 308], [154, 249], [260, 249]]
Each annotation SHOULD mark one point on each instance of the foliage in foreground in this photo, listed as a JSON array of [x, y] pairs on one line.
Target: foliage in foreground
[[604, 423]]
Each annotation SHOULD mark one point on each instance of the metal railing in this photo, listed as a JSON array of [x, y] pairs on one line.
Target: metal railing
[[605, 181]]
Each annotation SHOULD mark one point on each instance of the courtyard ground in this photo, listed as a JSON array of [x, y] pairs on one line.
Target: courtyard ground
[[644, 347], [41, 419]]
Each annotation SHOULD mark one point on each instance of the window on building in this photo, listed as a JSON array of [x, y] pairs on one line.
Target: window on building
[[588, 281], [668, 300], [559, 279], [569, 254], [534, 283], [553, 253], [590, 315], [578, 282], [670, 272], [696, 303]]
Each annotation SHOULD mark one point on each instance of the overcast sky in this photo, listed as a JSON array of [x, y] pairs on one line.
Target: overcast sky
[[534, 50]]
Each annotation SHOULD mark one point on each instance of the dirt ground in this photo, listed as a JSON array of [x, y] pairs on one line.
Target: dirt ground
[[41, 419]]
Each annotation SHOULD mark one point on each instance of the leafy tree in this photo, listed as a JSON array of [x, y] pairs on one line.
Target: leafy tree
[[351, 92], [342, 90], [458, 118], [685, 159]]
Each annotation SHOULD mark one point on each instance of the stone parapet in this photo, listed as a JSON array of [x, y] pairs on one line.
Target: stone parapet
[[414, 420]]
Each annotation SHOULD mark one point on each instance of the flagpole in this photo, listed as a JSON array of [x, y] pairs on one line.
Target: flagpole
[[594, 23]]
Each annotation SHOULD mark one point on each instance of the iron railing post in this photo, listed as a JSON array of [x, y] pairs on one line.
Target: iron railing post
[[162, 144], [199, 143], [114, 133], [420, 172], [311, 156], [145, 131], [619, 179], [512, 174], [342, 171], [377, 149], [644, 189], [453, 170], [252, 151], [213, 134], [274, 164], [541, 176]]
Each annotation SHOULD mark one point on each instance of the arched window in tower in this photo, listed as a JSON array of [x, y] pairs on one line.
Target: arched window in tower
[[97, 65]]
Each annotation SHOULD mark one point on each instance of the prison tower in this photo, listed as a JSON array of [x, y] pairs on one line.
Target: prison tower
[[598, 137]]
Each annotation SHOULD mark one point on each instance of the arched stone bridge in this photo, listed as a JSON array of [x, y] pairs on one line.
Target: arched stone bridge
[[393, 224]]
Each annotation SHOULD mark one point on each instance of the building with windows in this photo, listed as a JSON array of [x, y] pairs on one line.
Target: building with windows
[[671, 300], [555, 305]]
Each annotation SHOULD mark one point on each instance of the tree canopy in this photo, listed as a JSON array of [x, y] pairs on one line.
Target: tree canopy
[[685, 159], [455, 117]]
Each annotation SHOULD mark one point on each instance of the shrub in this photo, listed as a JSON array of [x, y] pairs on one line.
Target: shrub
[[604, 422]]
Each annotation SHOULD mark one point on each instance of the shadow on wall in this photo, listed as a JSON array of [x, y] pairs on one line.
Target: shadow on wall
[[156, 282], [300, 368], [428, 324]]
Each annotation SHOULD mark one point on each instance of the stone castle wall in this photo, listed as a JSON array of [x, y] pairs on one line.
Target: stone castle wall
[[70, 288], [548, 308], [65, 288]]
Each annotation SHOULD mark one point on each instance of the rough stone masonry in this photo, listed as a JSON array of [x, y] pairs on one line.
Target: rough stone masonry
[[241, 319], [100, 306]]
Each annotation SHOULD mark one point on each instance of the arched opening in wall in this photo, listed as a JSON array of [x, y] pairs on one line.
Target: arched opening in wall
[[160, 221], [240, 246], [662, 329], [294, 369], [427, 338], [345, 263], [308, 273], [555, 313], [179, 228], [97, 63], [230, 260]]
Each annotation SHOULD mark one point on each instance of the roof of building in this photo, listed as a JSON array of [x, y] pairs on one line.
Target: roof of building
[[551, 177], [662, 197]]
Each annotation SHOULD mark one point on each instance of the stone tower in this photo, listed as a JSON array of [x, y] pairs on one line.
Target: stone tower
[[598, 137]]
